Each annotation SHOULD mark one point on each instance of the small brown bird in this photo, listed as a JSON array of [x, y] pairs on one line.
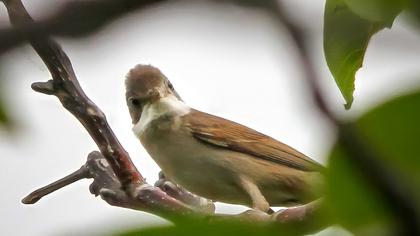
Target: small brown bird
[[213, 157]]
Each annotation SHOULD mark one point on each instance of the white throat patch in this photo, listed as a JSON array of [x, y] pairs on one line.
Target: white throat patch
[[168, 105]]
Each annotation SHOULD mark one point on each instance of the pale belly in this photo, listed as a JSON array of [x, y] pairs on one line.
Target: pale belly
[[214, 173], [196, 167]]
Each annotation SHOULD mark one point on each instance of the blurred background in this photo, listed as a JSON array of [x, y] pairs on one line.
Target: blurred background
[[224, 59]]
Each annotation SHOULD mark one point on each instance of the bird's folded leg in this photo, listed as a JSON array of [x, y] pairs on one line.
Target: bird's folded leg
[[258, 200]]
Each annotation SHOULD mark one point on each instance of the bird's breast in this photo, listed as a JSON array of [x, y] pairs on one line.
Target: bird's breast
[[176, 151]]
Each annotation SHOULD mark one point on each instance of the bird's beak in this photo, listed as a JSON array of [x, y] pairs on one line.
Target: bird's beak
[[135, 116]]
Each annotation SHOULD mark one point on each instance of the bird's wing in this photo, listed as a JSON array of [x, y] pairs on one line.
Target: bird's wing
[[227, 134]]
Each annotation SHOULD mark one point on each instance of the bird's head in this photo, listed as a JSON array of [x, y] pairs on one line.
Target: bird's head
[[146, 84]]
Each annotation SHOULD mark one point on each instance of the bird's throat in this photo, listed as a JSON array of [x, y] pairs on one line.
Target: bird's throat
[[166, 106]]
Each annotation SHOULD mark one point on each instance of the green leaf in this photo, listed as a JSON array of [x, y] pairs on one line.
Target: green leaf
[[383, 11], [346, 37], [4, 118], [229, 226], [352, 201], [392, 131]]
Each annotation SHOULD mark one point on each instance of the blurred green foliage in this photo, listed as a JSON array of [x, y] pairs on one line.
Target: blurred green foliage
[[413, 7], [392, 130], [352, 202], [195, 227], [4, 115], [4, 118]]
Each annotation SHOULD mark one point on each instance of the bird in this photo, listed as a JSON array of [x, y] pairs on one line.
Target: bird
[[213, 157]]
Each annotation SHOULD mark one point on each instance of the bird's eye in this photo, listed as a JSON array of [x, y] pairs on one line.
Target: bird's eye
[[170, 85], [134, 101]]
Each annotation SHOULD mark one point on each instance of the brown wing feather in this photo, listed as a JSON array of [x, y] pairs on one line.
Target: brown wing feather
[[223, 133]]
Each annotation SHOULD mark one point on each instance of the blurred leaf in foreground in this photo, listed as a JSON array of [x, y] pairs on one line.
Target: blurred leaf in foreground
[[392, 130], [414, 9], [194, 228], [5, 119], [219, 227], [346, 37]]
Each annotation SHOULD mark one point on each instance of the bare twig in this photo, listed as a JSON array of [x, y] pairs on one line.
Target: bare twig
[[36, 195]]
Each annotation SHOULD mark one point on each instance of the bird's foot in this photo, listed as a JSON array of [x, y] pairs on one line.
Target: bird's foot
[[199, 204]]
